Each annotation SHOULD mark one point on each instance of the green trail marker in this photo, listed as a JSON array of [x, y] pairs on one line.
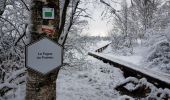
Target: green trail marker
[[48, 13]]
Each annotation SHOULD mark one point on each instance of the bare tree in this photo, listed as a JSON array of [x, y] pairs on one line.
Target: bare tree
[[146, 9], [13, 22], [64, 35], [71, 16]]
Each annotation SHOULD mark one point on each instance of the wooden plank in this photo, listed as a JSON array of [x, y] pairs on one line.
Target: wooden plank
[[102, 48], [158, 79]]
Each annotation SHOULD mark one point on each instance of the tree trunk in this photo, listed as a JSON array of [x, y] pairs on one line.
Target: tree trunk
[[39, 87]]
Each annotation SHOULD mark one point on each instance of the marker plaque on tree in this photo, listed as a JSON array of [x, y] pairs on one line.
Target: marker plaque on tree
[[48, 13], [43, 56]]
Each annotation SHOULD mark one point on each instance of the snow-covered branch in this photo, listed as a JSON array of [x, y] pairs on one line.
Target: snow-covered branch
[[64, 35]]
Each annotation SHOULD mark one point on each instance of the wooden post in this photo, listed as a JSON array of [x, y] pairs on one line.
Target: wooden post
[[39, 87]]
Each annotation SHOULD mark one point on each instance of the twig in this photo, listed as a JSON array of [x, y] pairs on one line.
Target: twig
[[25, 5], [13, 26]]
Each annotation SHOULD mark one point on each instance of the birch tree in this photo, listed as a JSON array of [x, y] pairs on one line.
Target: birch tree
[[14, 35]]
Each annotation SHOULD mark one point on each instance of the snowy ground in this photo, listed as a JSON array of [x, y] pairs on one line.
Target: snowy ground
[[136, 58], [16, 94], [92, 81], [96, 80]]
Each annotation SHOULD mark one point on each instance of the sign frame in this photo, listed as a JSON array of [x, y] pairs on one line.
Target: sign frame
[[36, 71]]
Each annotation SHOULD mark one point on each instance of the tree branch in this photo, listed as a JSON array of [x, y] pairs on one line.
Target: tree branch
[[13, 27], [22, 35], [63, 37], [63, 18], [25, 5]]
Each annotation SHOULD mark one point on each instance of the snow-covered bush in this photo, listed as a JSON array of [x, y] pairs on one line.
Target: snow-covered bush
[[12, 71], [77, 48], [159, 52], [117, 42], [160, 56], [13, 29], [122, 45]]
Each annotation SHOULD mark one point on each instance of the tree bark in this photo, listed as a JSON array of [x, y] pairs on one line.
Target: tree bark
[[39, 87]]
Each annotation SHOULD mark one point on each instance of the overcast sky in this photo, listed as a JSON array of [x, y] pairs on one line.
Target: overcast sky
[[97, 26]]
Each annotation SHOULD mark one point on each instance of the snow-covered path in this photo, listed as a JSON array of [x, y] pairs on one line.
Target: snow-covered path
[[92, 81], [136, 58], [132, 59]]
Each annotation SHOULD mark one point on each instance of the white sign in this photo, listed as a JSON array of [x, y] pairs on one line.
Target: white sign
[[48, 13], [44, 56]]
